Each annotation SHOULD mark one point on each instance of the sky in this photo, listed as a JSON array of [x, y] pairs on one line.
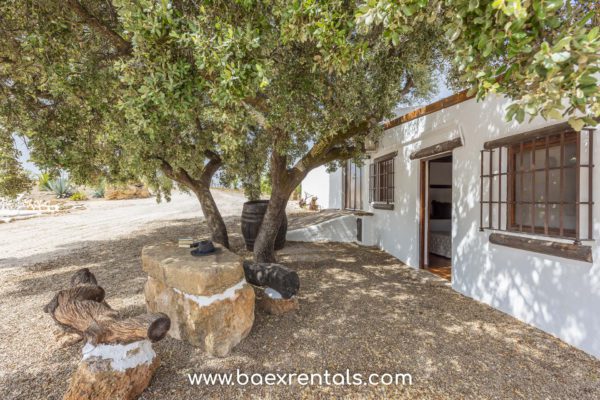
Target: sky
[[24, 158]]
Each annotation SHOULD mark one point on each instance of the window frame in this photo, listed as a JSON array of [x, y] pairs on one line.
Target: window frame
[[544, 143], [497, 185], [382, 182]]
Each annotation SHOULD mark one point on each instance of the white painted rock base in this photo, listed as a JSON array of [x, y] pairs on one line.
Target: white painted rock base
[[214, 323], [113, 371]]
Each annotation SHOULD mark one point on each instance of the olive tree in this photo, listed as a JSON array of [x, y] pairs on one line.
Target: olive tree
[[102, 89], [314, 84], [13, 179], [180, 86]]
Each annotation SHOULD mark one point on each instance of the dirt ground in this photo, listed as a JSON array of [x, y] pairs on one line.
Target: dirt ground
[[360, 309], [37, 239]]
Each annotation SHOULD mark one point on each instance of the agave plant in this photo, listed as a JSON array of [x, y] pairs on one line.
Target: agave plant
[[61, 187]]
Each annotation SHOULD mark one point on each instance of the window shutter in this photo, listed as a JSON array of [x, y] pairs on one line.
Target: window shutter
[[371, 181]]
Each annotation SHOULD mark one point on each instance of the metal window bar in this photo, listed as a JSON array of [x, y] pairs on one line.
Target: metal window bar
[[481, 193], [514, 176], [522, 171], [381, 181], [491, 194], [500, 188]]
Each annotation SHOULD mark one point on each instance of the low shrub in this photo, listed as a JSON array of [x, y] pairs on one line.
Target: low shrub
[[100, 190], [44, 180], [78, 196]]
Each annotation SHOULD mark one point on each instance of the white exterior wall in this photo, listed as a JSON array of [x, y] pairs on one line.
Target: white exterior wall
[[317, 183], [341, 229], [336, 193], [558, 295]]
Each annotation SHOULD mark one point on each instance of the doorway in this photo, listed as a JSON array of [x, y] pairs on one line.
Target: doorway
[[436, 216]]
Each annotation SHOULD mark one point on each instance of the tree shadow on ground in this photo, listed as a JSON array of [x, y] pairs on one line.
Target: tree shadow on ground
[[360, 309]]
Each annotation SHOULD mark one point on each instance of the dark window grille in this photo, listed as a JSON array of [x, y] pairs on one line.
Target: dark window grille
[[539, 183], [381, 181]]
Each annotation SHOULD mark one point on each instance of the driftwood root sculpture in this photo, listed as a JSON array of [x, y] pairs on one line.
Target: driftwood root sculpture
[[118, 360], [81, 309]]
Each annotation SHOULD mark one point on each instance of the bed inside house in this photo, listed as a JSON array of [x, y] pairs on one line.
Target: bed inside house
[[440, 240]]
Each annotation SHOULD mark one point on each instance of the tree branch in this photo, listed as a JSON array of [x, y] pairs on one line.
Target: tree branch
[[211, 167], [123, 46], [323, 151], [338, 153], [320, 154], [180, 175], [407, 86]]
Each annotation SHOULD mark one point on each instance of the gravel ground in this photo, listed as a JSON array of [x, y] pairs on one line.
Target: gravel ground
[[37, 239], [360, 309]]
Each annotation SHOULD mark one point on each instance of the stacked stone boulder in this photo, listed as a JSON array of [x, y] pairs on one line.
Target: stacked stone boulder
[[113, 371], [207, 298]]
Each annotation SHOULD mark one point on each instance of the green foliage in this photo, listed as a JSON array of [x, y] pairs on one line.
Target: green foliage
[[265, 185], [168, 86], [44, 181], [61, 187], [78, 196], [297, 193], [543, 54], [13, 179], [99, 189]]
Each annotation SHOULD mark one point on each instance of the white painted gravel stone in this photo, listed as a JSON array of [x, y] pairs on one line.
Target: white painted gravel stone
[[273, 294]]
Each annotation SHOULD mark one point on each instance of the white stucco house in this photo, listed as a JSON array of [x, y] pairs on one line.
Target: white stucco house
[[504, 210]]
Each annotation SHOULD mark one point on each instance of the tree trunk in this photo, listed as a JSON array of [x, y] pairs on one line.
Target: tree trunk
[[284, 180], [213, 217], [201, 188], [264, 246], [283, 184]]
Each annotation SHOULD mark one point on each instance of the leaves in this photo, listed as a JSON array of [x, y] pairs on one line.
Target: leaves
[[256, 77], [13, 179], [539, 53]]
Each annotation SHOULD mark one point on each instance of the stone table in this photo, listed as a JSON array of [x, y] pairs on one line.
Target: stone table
[[207, 298]]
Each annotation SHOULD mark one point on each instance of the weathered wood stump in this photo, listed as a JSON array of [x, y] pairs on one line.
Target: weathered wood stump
[[209, 302], [276, 276], [118, 361]]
